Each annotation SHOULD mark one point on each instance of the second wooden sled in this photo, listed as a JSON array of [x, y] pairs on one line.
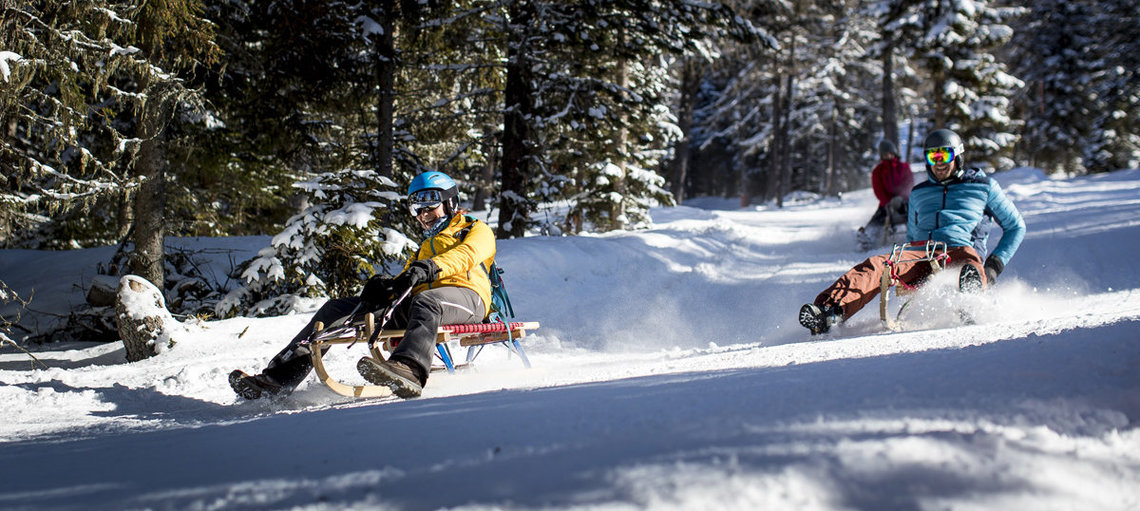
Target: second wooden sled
[[474, 336]]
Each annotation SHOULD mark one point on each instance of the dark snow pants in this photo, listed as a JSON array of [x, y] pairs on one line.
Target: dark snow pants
[[860, 284], [897, 209], [420, 315]]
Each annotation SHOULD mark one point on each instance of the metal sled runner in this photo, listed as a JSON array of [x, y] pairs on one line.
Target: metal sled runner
[[473, 336], [933, 252]]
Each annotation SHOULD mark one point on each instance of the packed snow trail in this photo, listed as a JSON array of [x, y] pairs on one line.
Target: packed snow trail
[[1031, 422]]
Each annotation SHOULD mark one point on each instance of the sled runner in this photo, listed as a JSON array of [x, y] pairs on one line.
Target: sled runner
[[933, 252], [473, 336]]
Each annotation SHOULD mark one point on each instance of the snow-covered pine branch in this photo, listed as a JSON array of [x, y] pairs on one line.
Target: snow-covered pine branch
[[353, 226]]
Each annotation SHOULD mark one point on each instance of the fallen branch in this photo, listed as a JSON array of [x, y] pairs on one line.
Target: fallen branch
[[5, 339]]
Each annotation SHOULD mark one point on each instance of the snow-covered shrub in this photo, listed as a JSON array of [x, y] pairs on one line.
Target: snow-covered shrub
[[7, 295], [620, 199], [353, 223]]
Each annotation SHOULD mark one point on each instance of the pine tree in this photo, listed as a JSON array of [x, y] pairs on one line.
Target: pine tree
[[56, 62], [1114, 134], [330, 72], [835, 121], [970, 89], [354, 224], [95, 86], [582, 121], [1057, 103], [790, 119], [901, 102]]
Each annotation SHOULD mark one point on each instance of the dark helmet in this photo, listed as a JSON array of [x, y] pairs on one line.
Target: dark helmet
[[886, 146], [447, 190], [945, 139]]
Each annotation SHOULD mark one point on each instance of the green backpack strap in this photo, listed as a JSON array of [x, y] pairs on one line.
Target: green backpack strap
[[501, 308]]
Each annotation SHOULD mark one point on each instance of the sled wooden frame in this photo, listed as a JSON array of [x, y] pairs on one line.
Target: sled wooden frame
[[933, 252], [474, 336]]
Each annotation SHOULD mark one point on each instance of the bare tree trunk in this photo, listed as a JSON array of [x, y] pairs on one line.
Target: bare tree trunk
[[617, 213], [909, 139], [786, 145], [890, 105], [745, 192], [487, 176], [939, 102], [832, 149], [785, 171], [386, 97], [690, 81], [124, 216], [514, 208], [149, 255], [775, 152]]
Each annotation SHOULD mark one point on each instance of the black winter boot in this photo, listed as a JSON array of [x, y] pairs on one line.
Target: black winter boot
[[820, 319], [394, 374], [970, 280], [256, 386]]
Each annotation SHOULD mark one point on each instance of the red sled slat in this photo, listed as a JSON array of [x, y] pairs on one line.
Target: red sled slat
[[482, 327]]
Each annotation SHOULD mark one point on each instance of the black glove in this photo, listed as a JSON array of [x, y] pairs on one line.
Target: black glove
[[994, 267], [378, 290], [420, 272]]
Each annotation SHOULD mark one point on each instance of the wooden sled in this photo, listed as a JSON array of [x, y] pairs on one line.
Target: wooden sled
[[473, 336], [933, 252]]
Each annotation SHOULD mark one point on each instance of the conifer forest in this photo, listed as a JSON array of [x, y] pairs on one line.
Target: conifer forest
[[126, 122]]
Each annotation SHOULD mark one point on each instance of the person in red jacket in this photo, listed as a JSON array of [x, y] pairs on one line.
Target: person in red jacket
[[891, 180]]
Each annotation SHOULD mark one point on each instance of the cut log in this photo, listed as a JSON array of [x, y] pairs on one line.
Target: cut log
[[143, 322]]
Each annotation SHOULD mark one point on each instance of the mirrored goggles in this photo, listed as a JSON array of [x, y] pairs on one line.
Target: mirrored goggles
[[424, 200], [936, 155]]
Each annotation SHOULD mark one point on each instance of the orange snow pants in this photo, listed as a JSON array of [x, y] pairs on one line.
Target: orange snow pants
[[860, 285]]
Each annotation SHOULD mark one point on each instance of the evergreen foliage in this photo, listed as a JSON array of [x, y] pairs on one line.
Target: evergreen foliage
[[1057, 102], [793, 118], [1080, 101], [609, 101], [82, 78], [353, 223], [1114, 139], [565, 116], [969, 89], [58, 65]]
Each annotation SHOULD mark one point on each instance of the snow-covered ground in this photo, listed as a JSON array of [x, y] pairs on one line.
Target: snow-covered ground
[[669, 373]]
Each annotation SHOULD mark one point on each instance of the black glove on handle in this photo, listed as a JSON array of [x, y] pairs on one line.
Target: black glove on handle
[[994, 267], [420, 272], [378, 290]]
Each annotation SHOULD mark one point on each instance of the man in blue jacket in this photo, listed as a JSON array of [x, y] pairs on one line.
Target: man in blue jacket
[[954, 205]]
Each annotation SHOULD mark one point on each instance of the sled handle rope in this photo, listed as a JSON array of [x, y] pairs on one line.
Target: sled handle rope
[[386, 317], [933, 252]]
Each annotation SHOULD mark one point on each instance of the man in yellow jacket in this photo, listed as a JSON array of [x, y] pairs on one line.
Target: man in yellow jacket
[[449, 282]]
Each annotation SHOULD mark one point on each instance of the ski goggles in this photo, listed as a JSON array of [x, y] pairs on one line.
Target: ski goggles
[[936, 155], [424, 200]]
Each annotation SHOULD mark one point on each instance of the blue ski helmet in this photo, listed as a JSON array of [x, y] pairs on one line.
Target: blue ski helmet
[[433, 180]]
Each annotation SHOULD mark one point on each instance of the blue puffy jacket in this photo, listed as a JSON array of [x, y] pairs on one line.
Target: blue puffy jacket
[[958, 214]]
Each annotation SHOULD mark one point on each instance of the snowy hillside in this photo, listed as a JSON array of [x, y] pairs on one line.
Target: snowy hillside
[[669, 373]]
